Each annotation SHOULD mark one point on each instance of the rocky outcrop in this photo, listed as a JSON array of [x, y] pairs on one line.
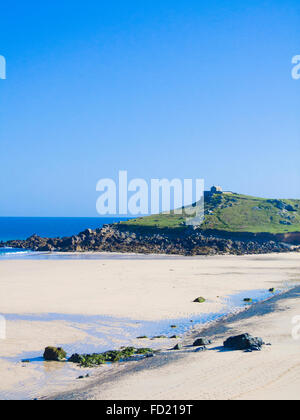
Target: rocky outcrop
[[122, 238]]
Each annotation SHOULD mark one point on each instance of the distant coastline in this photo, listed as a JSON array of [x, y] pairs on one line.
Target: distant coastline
[[188, 241], [233, 224]]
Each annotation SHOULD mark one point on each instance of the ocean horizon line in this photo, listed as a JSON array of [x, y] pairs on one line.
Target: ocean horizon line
[[21, 228]]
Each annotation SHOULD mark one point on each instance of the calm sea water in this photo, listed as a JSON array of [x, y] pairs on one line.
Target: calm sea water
[[50, 227]]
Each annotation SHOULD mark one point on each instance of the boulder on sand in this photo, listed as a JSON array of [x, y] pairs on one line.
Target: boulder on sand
[[244, 342], [202, 342], [55, 354]]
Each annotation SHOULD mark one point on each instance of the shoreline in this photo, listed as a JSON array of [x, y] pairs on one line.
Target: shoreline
[[217, 331], [111, 255]]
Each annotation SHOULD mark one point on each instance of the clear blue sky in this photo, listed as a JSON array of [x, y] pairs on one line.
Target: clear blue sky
[[163, 88]]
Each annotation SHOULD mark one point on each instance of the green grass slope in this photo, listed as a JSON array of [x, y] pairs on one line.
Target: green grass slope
[[236, 213]]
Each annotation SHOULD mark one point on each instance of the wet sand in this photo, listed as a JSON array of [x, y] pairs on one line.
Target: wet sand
[[272, 374]]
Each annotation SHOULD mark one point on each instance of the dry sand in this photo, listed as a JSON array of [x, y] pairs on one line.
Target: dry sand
[[148, 290], [137, 289]]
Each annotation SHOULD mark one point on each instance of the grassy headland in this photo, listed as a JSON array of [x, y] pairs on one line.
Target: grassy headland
[[235, 213]]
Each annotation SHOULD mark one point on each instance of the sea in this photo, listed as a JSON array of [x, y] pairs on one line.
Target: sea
[[50, 227]]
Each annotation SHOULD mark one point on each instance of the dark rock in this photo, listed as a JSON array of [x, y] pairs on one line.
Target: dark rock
[[177, 347], [244, 342], [202, 342], [56, 354], [200, 300], [290, 208], [280, 204], [46, 248]]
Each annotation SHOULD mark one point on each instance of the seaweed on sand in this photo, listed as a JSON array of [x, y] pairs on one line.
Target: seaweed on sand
[[112, 356]]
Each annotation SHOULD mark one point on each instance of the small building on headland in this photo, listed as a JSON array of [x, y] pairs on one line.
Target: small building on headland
[[216, 189]]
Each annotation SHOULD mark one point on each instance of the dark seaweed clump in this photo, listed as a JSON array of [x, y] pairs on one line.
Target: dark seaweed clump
[[112, 356]]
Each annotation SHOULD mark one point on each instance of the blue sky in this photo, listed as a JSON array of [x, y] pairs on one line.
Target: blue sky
[[186, 89]]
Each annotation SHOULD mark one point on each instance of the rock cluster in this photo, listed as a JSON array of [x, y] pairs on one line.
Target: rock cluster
[[281, 205], [122, 238]]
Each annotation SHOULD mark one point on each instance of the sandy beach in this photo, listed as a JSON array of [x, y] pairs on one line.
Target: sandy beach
[[273, 374], [58, 302]]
